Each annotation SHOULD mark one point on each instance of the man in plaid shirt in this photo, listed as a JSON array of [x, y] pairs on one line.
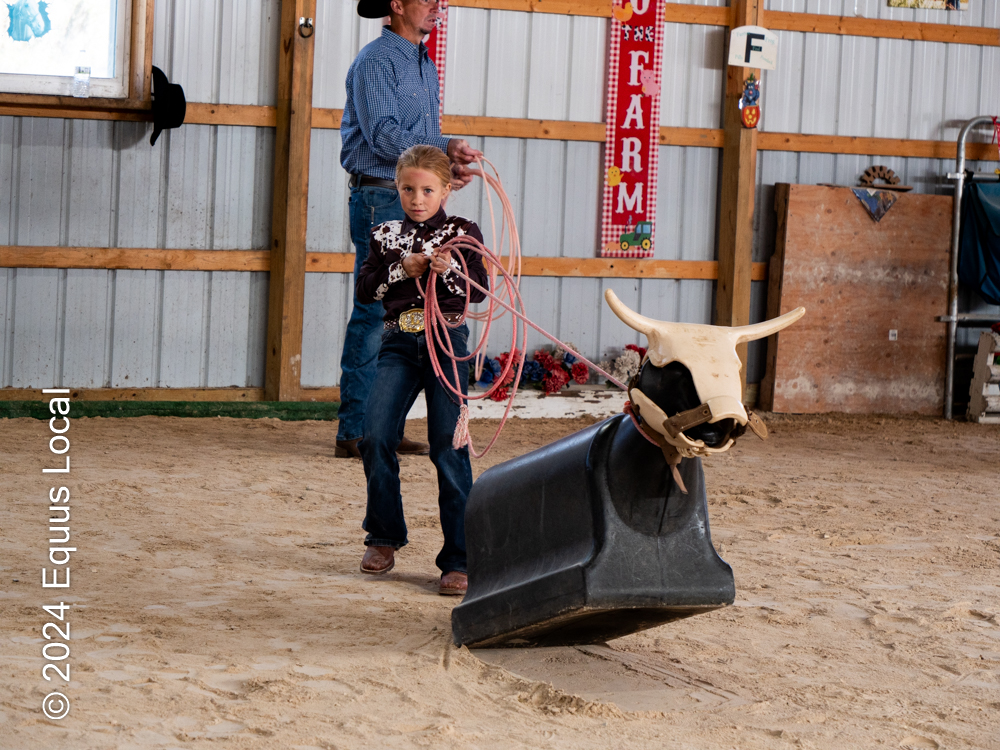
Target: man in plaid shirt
[[392, 104]]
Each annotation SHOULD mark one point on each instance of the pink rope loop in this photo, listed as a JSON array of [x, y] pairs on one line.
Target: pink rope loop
[[506, 298]]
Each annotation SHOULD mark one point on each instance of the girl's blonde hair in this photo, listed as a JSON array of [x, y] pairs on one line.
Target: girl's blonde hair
[[429, 158]]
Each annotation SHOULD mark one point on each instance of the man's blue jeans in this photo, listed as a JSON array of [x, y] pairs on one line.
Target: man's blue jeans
[[367, 206], [404, 369]]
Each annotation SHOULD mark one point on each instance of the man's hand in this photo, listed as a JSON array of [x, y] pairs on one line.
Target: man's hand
[[441, 261], [460, 152], [416, 265]]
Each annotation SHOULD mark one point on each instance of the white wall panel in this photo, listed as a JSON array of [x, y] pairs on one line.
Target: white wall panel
[[40, 176], [10, 131], [228, 330], [580, 309], [136, 338], [219, 51], [248, 57], [88, 320], [329, 222], [189, 187], [508, 65], [544, 197], [234, 190], [328, 301], [36, 322], [858, 75], [587, 69], [141, 188], [614, 334], [549, 61], [184, 328], [92, 183], [581, 222], [8, 278], [257, 330], [465, 66], [691, 93]]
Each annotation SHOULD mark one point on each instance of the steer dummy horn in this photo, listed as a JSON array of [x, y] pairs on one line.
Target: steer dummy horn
[[709, 352]]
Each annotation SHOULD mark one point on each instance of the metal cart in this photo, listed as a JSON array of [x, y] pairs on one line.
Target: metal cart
[[961, 175]]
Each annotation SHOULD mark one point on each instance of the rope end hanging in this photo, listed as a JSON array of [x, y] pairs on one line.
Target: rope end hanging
[[677, 477], [461, 436]]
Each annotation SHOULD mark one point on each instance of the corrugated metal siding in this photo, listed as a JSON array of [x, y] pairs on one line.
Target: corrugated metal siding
[[100, 184], [220, 52]]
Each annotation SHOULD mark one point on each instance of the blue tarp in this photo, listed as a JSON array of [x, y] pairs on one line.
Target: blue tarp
[[979, 254]]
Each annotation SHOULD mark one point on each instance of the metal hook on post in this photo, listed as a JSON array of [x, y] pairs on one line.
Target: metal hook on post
[[304, 25]]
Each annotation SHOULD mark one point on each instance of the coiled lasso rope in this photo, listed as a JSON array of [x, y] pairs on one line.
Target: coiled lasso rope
[[507, 298]]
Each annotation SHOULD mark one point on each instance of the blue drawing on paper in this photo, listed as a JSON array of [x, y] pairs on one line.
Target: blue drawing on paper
[[29, 19]]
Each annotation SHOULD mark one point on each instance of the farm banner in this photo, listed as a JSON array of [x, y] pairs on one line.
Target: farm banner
[[632, 139]]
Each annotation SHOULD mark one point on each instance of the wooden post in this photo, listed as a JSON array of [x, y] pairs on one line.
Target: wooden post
[[282, 377], [739, 171]]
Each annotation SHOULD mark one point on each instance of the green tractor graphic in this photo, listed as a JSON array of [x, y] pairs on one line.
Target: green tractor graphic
[[641, 237]]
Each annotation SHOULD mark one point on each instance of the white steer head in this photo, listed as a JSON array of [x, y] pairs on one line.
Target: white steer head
[[688, 367]]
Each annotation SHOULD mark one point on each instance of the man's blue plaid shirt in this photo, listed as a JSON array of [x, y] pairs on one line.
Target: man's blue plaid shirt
[[392, 104]]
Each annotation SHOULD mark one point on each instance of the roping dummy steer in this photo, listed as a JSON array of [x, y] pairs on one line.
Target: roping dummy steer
[[605, 532]]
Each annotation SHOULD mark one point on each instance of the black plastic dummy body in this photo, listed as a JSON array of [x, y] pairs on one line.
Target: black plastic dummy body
[[585, 540]]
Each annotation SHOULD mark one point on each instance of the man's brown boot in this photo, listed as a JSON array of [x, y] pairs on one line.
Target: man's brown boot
[[409, 447], [347, 449]]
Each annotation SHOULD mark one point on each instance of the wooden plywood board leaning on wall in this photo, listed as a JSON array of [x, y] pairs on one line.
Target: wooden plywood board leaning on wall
[[860, 281]]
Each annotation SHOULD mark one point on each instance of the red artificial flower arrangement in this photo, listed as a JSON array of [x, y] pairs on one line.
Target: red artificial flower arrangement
[[543, 371]]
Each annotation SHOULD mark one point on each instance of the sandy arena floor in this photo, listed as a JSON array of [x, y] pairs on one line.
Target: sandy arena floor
[[217, 601]]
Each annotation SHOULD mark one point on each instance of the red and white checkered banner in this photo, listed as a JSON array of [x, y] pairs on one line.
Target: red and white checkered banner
[[437, 46], [635, 57]]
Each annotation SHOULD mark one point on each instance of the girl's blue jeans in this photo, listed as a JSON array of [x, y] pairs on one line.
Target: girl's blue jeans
[[404, 369]]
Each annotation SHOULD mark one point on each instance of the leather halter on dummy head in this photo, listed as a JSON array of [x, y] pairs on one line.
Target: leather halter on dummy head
[[688, 393]]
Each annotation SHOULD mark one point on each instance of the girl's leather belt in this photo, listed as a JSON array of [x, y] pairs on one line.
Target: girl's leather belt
[[412, 321]]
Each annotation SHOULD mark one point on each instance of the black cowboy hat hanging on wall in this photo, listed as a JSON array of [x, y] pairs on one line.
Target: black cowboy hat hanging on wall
[[169, 104]]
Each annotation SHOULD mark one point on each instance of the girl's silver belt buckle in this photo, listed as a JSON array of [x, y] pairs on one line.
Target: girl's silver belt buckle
[[412, 321]]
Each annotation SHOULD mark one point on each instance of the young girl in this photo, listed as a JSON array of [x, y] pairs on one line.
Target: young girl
[[400, 253]]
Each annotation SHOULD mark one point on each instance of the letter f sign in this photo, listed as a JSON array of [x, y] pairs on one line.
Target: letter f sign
[[751, 47]]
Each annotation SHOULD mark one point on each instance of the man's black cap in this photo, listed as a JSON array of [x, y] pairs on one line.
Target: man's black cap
[[373, 8], [169, 104]]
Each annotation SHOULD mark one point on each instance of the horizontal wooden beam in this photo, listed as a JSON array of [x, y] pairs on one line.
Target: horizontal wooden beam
[[250, 115], [775, 20], [702, 137], [139, 394], [565, 130], [598, 8], [247, 115], [512, 127], [609, 268], [136, 258], [883, 29], [20, 256], [322, 395], [248, 395], [847, 144]]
